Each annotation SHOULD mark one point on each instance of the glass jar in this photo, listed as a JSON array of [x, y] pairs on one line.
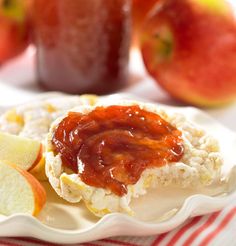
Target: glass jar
[[82, 45]]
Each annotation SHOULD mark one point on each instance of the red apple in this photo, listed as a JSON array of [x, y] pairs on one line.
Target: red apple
[[14, 29], [140, 10], [189, 47]]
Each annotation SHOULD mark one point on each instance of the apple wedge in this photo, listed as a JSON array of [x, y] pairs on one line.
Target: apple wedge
[[20, 192], [23, 152], [39, 170]]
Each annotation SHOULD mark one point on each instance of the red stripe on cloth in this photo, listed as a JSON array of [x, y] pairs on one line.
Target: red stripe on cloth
[[5, 243], [198, 231], [159, 239], [183, 229], [36, 241], [220, 227], [118, 242], [89, 244]]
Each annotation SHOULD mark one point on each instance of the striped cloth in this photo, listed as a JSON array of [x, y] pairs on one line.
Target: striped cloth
[[215, 229]]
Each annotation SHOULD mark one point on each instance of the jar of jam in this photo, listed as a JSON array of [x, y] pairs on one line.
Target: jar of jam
[[82, 45]]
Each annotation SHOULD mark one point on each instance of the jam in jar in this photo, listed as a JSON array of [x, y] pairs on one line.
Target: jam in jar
[[110, 147], [82, 45]]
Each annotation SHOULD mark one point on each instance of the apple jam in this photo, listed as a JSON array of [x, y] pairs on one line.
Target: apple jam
[[111, 146]]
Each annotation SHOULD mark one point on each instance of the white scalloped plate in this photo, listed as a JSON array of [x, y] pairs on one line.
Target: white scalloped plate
[[159, 211]]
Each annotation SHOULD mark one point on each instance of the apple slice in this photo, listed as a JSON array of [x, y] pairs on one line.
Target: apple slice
[[20, 192], [23, 152], [39, 171]]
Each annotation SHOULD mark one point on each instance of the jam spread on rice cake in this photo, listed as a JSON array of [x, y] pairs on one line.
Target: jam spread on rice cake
[[110, 147]]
